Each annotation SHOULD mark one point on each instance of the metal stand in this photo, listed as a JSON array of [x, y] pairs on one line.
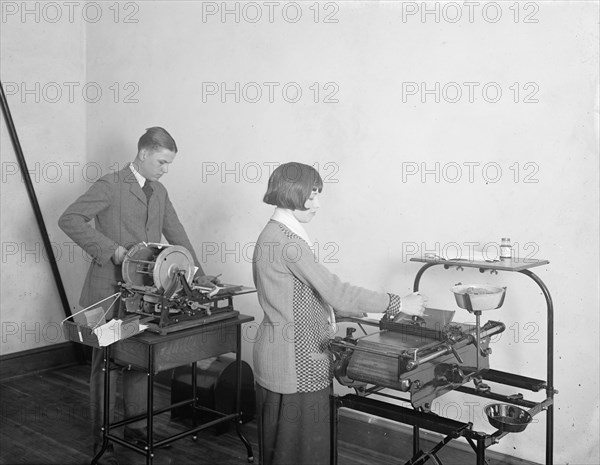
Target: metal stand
[[106, 406], [151, 343], [523, 268], [451, 429]]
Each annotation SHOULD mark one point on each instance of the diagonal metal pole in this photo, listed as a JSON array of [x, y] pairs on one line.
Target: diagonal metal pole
[[36, 206]]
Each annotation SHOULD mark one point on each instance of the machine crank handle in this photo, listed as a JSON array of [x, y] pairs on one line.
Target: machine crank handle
[[186, 287]]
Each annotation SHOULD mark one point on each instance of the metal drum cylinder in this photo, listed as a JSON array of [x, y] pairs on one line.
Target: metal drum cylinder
[[156, 265]]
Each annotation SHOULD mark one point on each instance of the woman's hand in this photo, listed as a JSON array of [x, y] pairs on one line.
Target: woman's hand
[[413, 304]]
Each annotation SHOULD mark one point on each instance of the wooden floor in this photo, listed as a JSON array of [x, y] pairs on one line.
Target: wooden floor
[[44, 419]]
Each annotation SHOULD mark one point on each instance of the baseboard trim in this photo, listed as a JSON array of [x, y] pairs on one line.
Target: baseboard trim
[[35, 360]]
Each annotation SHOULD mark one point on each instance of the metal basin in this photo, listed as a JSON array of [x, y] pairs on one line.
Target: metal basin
[[478, 297], [507, 418]]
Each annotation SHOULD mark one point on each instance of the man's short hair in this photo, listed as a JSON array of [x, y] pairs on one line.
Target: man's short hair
[[291, 184], [156, 138]]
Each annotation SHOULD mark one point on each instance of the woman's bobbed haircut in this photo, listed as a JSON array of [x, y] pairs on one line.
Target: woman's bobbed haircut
[[291, 184]]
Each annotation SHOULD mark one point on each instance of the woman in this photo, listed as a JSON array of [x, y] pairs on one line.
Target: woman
[[293, 368]]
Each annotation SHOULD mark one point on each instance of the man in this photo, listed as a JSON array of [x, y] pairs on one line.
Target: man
[[128, 207]]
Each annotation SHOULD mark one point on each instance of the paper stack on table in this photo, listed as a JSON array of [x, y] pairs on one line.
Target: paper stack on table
[[108, 333], [113, 331]]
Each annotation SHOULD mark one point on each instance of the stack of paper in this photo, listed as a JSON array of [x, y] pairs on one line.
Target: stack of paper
[[114, 330], [108, 333]]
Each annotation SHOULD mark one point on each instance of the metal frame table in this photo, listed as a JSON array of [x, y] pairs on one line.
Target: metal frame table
[[478, 441], [153, 353]]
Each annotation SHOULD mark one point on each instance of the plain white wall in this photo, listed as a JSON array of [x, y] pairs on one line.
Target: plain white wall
[[375, 214], [37, 58]]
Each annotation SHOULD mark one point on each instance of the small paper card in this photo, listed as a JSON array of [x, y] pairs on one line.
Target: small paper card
[[108, 333], [115, 330]]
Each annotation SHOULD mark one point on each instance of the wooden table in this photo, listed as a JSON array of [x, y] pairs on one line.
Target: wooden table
[[153, 353]]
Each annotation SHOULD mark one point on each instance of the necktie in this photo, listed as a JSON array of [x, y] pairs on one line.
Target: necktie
[[147, 190]]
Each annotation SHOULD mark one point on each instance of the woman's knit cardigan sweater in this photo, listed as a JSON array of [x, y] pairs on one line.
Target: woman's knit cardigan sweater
[[295, 291]]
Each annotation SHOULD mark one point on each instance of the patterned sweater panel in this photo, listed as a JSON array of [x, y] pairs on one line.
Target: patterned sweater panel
[[311, 336]]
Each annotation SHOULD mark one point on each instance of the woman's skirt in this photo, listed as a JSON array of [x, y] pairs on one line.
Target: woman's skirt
[[293, 429]]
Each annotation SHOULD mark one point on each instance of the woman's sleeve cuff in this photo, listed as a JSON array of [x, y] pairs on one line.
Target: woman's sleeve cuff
[[394, 306]]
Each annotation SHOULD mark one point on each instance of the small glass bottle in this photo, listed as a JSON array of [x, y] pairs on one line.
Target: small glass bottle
[[505, 249]]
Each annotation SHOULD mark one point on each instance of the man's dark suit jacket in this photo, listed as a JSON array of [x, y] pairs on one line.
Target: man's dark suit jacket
[[122, 217]]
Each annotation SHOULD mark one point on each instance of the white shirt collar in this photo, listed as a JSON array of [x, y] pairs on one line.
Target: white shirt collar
[[286, 217], [140, 179]]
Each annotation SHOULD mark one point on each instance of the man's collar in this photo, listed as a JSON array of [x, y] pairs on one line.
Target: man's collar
[[140, 179]]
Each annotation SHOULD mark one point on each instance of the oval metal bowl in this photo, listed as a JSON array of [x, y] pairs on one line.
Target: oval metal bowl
[[507, 418], [478, 297]]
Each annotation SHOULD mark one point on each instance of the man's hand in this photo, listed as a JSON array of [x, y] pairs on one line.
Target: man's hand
[[119, 255], [413, 304], [206, 280]]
